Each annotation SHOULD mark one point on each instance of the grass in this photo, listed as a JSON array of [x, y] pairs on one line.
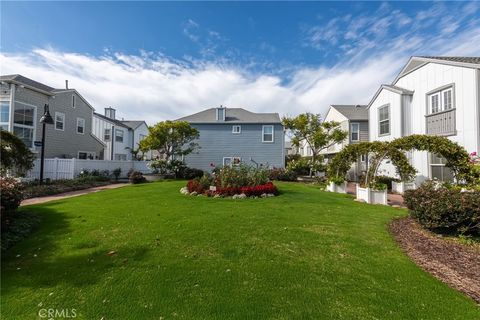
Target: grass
[[304, 254]]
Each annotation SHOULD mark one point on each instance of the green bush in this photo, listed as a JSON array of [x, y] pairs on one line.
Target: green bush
[[241, 176], [282, 175], [190, 173], [445, 208], [300, 166], [11, 196], [386, 180], [136, 177]]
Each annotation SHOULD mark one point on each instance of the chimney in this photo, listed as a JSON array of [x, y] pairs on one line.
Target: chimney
[[221, 113], [110, 113], [66, 84]]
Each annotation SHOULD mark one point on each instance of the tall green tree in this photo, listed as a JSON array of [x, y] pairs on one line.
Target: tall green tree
[[171, 138], [309, 128], [15, 155]]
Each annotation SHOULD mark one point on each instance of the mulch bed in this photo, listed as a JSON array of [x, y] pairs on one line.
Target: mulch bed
[[455, 264]]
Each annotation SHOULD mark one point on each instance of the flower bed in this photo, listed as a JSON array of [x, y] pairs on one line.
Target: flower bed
[[236, 182]]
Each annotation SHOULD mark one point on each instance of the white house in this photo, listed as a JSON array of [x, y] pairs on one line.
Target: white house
[[434, 96], [121, 137]]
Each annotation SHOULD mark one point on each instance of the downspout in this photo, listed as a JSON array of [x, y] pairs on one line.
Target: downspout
[[112, 137]]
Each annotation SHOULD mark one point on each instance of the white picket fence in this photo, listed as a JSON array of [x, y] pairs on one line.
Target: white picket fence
[[56, 169]]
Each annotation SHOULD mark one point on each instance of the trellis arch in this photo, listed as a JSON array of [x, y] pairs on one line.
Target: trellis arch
[[378, 151], [458, 159]]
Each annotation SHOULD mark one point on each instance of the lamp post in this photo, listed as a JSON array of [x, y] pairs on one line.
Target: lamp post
[[44, 120]]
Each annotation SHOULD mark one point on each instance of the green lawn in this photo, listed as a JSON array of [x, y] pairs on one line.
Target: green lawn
[[304, 254]]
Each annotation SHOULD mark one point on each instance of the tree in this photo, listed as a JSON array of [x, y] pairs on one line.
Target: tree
[[171, 138], [317, 135], [15, 155]]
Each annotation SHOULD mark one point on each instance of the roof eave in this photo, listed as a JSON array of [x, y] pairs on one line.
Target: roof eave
[[29, 87]]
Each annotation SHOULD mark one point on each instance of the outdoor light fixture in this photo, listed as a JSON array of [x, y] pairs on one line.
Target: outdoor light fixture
[[44, 120]]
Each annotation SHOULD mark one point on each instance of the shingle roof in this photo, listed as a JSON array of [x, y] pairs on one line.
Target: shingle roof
[[114, 121], [232, 115], [352, 112], [134, 124], [26, 81], [475, 60]]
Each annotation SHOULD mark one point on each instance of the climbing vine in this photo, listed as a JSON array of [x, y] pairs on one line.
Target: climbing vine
[[457, 158]]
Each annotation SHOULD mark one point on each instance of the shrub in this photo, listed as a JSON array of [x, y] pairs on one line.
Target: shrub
[[190, 173], [300, 166], [10, 196], [136, 177], [386, 180], [116, 173], [445, 209], [282, 175], [195, 186], [241, 176]]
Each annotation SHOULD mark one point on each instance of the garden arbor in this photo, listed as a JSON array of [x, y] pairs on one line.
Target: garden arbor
[[457, 158]]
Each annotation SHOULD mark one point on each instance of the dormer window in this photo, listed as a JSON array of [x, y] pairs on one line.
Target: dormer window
[[221, 114], [237, 129]]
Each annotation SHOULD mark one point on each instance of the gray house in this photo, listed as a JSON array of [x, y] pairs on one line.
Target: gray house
[[22, 103], [229, 136], [354, 119]]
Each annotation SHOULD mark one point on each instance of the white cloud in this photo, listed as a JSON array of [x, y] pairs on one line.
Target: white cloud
[[153, 87]]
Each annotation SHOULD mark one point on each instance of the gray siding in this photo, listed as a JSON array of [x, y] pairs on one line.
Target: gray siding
[[363, 131], [217, 141], [67, 143]]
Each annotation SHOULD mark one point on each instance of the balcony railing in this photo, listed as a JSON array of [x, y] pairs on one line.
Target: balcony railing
[[441, 123]]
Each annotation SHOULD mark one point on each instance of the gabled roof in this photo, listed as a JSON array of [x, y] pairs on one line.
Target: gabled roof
[[113, 121], [27, 82], [351, 111], [57, 91], [133, 124], [392, 88], [416, 62], [232, 115]]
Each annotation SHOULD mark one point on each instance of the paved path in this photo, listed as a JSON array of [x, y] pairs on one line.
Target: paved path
[[393, 199], [71, 194]]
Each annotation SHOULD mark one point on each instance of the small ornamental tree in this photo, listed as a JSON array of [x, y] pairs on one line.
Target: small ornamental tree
[[317, 135], [171, 138], [15, 155]]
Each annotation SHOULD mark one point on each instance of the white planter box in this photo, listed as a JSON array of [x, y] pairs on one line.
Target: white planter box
[[372, 196], [401, 187], [339, 188]]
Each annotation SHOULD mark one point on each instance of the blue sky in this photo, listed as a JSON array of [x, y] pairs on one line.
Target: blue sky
[[161, 60]]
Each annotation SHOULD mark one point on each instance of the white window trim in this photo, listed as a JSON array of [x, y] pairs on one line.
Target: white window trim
[[33, 127], [263, 133], [232, 160], [123, 135], [223, 114], [84, 126], [357, 131], [440, 92], [239, 129], [109, 135], [388, 119], [55, 124]]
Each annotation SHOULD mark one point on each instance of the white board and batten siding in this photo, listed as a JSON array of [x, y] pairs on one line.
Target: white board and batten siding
[[58, 169]]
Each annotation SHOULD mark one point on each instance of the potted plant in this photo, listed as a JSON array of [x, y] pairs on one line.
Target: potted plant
[[374, 193], [337, 184], [401, 186]]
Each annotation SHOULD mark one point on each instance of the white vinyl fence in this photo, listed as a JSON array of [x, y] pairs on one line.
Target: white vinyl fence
[[56, 169]]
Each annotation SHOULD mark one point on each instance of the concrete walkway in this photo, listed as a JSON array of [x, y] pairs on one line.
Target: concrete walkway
[[392, 199], [71, 194]]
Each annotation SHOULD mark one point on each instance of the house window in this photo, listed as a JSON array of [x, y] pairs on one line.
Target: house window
[[107, 134], [384, 120], [80, 125], [267, 134], [73, 101], [84, 155], [4, 114], [24, 124], [231, 161], [59, 121], [236, 129], [438, 169], [118, 135], [354, 131], [120, 157], [441, 100]]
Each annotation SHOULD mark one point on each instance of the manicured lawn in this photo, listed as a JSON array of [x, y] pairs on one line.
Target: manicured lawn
[[304, 254]]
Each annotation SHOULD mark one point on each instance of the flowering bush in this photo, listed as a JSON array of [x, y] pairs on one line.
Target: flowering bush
[[136, 177], [240, 176], [268, 188], [445, 208], [11, 195], [282, 175]]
